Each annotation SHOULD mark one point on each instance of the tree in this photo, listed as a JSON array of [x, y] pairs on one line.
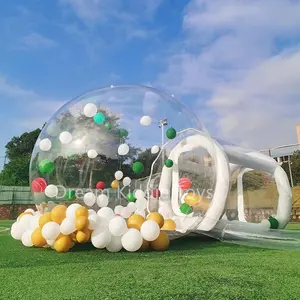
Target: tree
[[295, 168], [18, 153]]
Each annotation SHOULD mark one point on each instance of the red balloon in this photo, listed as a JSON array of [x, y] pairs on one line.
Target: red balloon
[[156, 193], [100, 185], [38, 185], [185, 183]]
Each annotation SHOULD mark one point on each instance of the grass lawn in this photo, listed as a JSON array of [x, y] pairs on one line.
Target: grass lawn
[[193, 268]]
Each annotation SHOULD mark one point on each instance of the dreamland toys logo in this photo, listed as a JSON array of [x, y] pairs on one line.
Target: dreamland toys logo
[[122, 193]]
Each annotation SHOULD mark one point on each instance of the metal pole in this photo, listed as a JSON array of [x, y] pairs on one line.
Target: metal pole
[[290, 169], [162, 144]]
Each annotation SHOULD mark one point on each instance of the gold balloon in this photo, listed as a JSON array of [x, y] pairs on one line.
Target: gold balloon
[[161, 243], [192, 199], [169, 224], [114, 184]]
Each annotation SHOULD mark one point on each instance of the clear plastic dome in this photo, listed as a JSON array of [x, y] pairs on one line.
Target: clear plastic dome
[[112, 146]]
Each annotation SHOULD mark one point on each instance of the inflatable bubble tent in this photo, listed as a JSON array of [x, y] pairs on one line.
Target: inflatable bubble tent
[[136, 150]]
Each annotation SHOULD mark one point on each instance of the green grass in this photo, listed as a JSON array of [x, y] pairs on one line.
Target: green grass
[[193, 268]]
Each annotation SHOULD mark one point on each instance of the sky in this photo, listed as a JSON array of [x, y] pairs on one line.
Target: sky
[[234, 63]]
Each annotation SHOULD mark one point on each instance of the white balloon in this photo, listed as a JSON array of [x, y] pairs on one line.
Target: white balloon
[[140, 212], [50, 231], [50, 242], [141, 203], [117, 226], [24, 221], [90, 110], [102, 200], [17, 231], [123, 149], [119, 175], [115, 244], [29, 210], [132, 240], [101, 238], [70, 212], [93, 221], [266, 224], [51, 191], [45, 144], [150, 230], [67, 227], [65, 137], [92, 153], [146, 120], [92, 212], [118, 209], [126, 181], [155, 149], [34, 222], [139, 194], [26, 238], [106, 213], [131, 206], [126, 212], [89, 199]]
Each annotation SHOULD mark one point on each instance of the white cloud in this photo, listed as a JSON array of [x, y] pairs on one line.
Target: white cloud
[[34, 41], [240, 60], [33, 108]]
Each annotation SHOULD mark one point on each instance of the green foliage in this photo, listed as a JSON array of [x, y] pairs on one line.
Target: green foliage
[[18, 153], [253, 180], [295, 168]]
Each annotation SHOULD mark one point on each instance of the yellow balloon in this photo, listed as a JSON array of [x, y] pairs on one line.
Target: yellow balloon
[[37, 238], [161, 243], [45, 218], [114, 184], [81, 222], [135, 221], [156, 217], [169, 224], [63, 243], [58, 213], [192, 199], [81, 211]]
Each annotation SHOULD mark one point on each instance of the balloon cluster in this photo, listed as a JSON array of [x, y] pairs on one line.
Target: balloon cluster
[[62, 227]]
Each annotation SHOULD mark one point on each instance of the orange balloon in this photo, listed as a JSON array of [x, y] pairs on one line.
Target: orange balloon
[[169, 224], [135, 221], [37, 238], [156, 217], [82, 236], [73, 237], [114, 184], [63, 243], [161, 243], [58, 213], [82, 211], [45, 218], [81, 223], [145, 246]]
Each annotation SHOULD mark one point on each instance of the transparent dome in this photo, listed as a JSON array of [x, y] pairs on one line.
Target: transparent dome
[[115, 147]]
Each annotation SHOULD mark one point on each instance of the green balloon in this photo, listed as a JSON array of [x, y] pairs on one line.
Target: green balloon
[[70, 195], [138, 167], [274, 223], [123, 132], [185, 209], [171, 133], [169, 163], [99, 118], [46, 166], [130, 197], [107, 125]]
